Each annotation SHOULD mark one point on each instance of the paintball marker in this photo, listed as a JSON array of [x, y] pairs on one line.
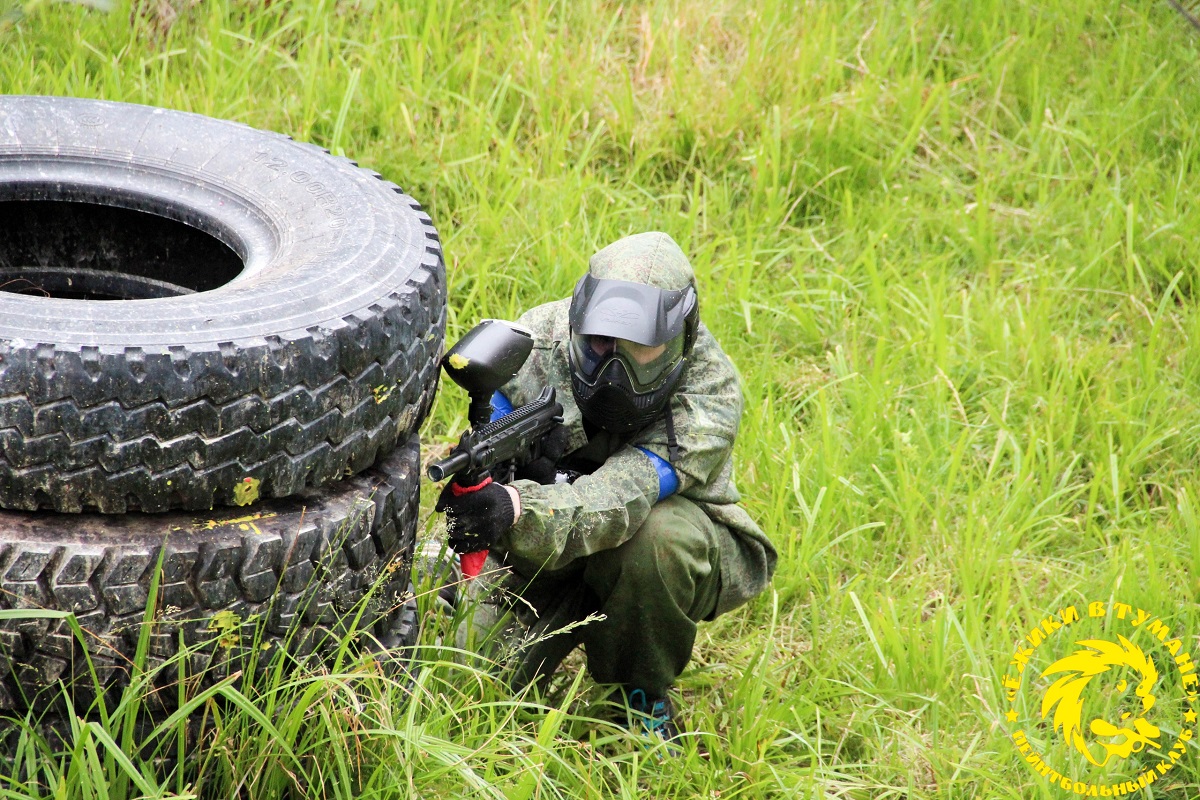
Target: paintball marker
[[481, 362]]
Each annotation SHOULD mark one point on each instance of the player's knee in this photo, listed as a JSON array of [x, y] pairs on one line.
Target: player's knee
[[675, 536]]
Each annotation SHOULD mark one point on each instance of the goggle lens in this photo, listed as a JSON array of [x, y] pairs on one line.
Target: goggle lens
[[646, 364]]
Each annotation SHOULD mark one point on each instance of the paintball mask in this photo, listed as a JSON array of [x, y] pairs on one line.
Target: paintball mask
[[629, 342]]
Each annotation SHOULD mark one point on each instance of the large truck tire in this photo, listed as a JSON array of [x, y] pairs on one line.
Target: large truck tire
[[197, 313], [290, 577]]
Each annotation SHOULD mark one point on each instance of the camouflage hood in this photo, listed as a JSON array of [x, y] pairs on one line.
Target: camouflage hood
[[650, 258]]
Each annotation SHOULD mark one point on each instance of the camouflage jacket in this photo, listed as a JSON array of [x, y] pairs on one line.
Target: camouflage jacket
[[563, 522]]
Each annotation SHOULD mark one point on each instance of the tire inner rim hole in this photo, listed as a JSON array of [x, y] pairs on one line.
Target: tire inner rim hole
[[90, 251]]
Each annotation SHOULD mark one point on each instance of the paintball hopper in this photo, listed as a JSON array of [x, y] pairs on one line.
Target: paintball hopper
[[481, 362], [484, 360]]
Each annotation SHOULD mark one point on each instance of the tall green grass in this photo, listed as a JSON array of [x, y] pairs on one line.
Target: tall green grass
[[950, 247]]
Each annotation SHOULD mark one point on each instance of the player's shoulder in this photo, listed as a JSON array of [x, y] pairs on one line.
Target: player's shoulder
[[709, 368], [549, 322]]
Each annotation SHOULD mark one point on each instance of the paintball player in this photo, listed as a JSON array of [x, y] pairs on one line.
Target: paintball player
[[650, 535]]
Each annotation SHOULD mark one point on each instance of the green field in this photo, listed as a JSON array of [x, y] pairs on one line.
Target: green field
[[949, 247]]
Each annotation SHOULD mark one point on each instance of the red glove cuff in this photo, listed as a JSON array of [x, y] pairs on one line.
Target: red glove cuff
[[458, 490]]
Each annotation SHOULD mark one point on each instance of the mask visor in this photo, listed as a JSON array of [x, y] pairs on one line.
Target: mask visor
[[633, 311]]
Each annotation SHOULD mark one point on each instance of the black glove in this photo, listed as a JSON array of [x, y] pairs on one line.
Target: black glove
[[540, 470], [552, 448], [475, 515]]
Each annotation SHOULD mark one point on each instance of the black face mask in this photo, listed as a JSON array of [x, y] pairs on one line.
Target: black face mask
[[611, 403]]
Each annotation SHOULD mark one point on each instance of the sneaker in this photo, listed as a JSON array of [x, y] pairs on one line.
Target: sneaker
[[652, 717]]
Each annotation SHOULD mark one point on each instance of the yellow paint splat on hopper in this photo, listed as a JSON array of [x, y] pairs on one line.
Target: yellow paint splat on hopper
[[246, 492], [458, 361]]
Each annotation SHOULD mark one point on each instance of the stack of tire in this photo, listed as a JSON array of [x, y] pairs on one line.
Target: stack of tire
[[216, 347]]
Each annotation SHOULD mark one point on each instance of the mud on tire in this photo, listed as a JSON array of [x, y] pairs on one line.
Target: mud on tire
[[194, 312]]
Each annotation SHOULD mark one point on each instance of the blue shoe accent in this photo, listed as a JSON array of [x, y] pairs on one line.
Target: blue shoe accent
[[655, 719]]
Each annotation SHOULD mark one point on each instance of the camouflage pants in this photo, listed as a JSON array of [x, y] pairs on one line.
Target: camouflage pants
[[651, 592]]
